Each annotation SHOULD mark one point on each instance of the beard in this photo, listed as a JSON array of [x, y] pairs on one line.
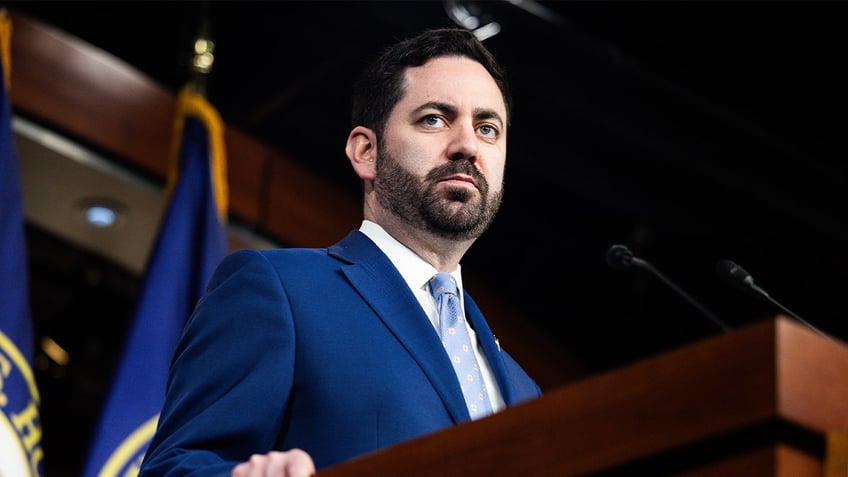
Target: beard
[[456, 214]]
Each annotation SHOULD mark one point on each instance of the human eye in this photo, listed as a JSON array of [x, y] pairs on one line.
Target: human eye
[[489, 131], [432, 121]]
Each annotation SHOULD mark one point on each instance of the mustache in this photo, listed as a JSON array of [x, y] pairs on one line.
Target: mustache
[[457, 167]]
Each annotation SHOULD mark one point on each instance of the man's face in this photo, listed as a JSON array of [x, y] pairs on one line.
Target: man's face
[[441, 159]]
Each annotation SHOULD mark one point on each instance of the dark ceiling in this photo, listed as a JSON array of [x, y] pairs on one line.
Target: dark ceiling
[[691, 132]]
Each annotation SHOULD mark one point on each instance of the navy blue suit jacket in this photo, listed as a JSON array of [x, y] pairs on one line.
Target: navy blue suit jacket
[[326, 350]]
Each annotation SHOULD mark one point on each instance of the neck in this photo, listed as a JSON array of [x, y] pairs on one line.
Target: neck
[[442, 253]]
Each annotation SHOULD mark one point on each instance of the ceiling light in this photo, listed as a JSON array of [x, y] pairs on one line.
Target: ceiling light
[[100, 216], [102, 213], [471, 16]]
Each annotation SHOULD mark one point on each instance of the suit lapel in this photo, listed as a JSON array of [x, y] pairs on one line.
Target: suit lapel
[[374, 277], [490, 349]]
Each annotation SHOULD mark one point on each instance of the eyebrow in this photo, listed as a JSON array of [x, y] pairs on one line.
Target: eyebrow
[[479, 113]]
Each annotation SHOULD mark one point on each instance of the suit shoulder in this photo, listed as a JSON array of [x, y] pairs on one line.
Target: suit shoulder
[[276, 257]]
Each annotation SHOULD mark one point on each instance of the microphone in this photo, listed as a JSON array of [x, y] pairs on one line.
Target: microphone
[[736, 277], [620, 257]]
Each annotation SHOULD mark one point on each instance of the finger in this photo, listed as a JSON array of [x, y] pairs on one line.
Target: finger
[[240, 470], [299, 464], [256, 465]]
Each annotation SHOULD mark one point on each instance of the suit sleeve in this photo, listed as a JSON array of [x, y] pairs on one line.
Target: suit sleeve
[[231, 375], [525, 388]]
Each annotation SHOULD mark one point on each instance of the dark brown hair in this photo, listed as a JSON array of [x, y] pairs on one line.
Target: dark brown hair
[[380, 86]]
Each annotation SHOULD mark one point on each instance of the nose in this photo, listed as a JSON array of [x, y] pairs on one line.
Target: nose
[[464, 143]]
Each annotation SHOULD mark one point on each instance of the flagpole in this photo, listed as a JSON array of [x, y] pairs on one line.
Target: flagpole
[[191, 242]]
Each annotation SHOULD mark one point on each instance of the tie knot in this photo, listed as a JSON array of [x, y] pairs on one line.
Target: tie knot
[[442, 283]]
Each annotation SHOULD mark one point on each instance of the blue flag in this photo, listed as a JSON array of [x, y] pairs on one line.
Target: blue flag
[[20, 426], [192, 240]]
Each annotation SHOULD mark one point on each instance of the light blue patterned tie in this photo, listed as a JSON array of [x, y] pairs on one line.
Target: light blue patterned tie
[[458, 345]]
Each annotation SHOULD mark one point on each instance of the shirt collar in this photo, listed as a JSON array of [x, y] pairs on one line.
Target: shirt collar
[[414, 270]]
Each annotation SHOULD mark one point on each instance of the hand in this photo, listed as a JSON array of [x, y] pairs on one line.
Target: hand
[[291, 463]]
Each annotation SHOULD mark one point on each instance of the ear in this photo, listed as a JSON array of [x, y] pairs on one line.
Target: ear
[[361, 149]]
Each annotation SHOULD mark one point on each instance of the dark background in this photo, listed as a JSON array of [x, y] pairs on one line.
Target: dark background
[[691, 132]]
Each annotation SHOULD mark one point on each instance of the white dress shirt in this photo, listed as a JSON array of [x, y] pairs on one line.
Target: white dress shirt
[[417, 274]]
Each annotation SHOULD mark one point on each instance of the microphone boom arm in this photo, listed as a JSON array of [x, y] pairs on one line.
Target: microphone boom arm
[[642, 263], [737, 277], [762, 293]]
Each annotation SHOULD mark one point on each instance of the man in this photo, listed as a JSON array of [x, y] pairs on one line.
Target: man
[[298, 359]]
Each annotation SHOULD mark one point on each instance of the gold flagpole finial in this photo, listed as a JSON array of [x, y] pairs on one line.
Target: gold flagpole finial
[[202, 56], [201, 63]]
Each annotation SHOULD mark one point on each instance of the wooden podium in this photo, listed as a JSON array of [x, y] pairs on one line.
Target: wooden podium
[[770, 399]]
